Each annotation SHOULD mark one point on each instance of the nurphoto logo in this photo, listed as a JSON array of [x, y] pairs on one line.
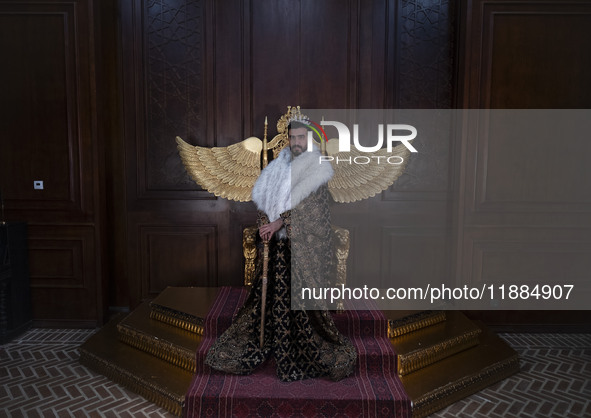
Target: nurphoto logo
[[390, 133]]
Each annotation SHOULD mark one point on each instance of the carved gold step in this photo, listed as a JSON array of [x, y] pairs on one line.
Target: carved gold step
[[447, 381], [403, 322], [174, 345], [430, 344], [156, 380], [184, 307]]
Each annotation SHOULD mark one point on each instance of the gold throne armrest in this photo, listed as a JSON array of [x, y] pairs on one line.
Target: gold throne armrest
[[342, 244], [249, 250]]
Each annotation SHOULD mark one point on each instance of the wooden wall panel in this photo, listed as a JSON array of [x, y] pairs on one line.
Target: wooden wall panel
[[520, 173], [56, 263], [275, 60], [99, 126], [229, 68], [328, 78], [175, 248], [211, 71], [523, 208], [96, 116], [40, 135], [518, 255], [183, 255], [63, 273], [522, 40], [530, 47], [418, 256], [48, 134]]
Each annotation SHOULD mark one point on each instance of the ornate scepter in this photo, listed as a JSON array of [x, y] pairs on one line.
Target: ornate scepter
[[264, 290], [265, 256]]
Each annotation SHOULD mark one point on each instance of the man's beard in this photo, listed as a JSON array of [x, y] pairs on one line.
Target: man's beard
[[296, 150]]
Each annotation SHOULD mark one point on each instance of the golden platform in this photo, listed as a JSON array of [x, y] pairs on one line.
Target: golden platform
[[184, 307], [430, 344], [158, 381], [458, 376], [173, 344], [403, 322], [442, 355]]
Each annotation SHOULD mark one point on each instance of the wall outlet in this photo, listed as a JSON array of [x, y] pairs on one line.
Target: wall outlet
[[38, 185]]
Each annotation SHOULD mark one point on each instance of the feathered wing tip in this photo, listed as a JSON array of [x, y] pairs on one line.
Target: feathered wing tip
[[371, 175], [228, 172]]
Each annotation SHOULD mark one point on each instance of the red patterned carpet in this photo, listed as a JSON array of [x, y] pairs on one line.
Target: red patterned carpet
[[372, 391]]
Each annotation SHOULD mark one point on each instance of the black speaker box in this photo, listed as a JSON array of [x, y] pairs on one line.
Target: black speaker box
[[15, 290]]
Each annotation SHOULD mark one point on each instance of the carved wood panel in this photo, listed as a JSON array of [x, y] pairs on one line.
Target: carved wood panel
[[425, 64], [174, 90]]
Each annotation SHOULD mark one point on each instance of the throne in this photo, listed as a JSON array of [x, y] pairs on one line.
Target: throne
[[342, 244]]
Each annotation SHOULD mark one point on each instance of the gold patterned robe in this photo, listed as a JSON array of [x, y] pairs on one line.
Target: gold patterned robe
[[305, 344]]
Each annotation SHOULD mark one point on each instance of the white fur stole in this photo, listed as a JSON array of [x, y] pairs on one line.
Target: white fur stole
[[284, 183]]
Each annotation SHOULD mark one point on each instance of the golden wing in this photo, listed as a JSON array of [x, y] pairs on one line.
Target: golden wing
[[359, 175], [229, 172]]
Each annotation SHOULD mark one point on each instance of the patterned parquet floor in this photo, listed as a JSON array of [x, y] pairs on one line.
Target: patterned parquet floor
[[555, 381], [40, 376]]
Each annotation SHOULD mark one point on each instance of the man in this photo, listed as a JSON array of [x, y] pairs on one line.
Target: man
[[292, 197]]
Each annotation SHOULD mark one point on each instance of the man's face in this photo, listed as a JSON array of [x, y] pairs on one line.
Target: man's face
[[298, 140]]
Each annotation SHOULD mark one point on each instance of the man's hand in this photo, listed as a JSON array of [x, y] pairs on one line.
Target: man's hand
[[266, 231]]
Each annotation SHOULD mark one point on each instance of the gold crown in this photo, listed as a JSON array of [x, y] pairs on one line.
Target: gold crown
[[293, 115]]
